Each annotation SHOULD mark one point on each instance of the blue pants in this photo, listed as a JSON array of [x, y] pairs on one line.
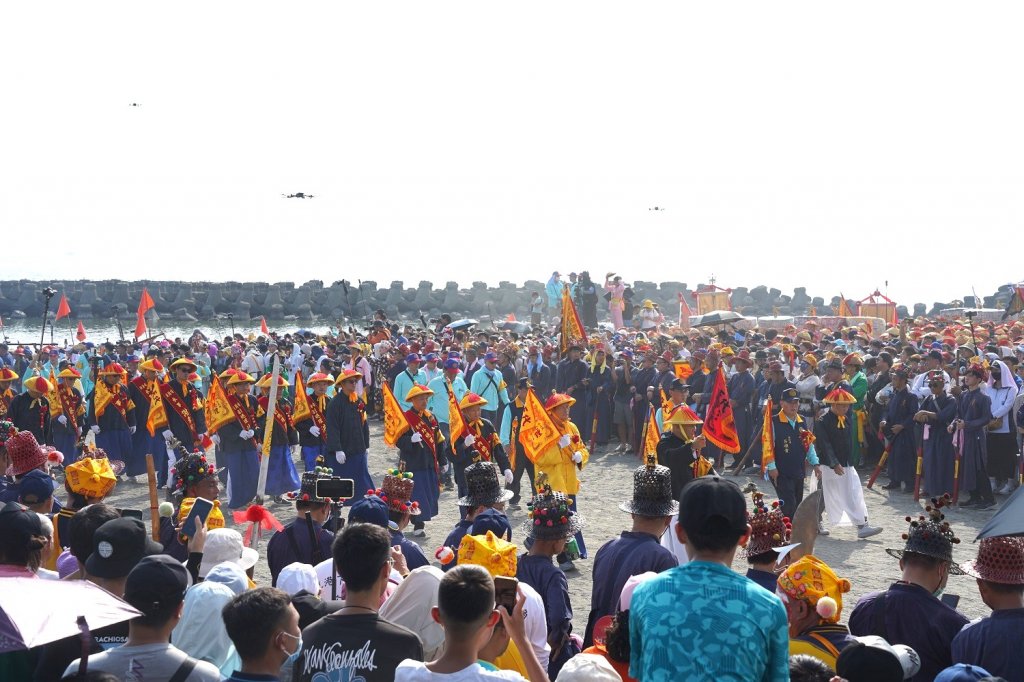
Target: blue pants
[[281, 474], [356, 468], [243, 475], [310, 453], [64, 440], [144, 444], [118, 445], [425, 491]]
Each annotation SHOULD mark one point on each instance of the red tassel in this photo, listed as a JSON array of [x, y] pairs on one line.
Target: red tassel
[[256, 515]]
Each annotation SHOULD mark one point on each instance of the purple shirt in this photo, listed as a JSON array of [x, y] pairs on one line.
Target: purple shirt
[[994, 644], [912, 616], [618, 559]]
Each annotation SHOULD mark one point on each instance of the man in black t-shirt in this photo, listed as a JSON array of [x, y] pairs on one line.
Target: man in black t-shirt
[[355, 642]]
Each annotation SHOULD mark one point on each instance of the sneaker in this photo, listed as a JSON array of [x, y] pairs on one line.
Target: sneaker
[[132, 479], [418, 533], [892, 485], [867, 531], [1006, 489], [567, 566], [973, 502], [822, 530], [515, 500], [622, 448]]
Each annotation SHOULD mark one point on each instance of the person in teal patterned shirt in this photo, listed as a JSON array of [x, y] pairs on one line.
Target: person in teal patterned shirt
[[701, 620]]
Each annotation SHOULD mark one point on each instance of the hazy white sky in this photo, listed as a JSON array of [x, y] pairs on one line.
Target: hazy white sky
[[830, 145]]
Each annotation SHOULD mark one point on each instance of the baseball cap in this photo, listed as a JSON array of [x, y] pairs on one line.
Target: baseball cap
[[712, 503], [36, 486], [117, 546], [412, 357], [19, 522], [370, 509], [872, 658], [962, 672], [156, 583], [494, 521], [790, 394]]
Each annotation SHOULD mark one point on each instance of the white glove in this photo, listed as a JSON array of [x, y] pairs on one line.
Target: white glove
[[167, 434], [131, 429], [246, 435], [469, 440], [339, 455], [95, 428], [315, 430], [63, 420], [564, 441], [577, 457], [216, 439], [417, 438], [508, 477]]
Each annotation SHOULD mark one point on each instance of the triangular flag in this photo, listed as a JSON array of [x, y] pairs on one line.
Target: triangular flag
[[536, 431], [157, 413], [652, 435], [63, 310], [80, 334], [395, 423], [263, 325], [572, 326], [511, 317], [301, 408], [217, 409], [684, 311], [844, 308], [719, 425], [140, 326], [145, 302]]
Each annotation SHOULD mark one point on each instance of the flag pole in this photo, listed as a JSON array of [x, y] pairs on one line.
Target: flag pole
[[268, 431]]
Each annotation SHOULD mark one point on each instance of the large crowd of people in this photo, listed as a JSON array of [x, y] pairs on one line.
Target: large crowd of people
[[934, 404]]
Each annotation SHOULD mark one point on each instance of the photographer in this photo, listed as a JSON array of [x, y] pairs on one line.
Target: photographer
[[296, 541]]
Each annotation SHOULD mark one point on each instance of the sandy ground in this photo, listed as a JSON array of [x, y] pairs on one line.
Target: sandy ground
[[608, 480]]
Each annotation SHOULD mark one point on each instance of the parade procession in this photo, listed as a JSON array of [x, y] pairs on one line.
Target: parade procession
[[575, 499]]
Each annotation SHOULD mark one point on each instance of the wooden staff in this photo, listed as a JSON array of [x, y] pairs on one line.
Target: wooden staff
[[154, 505], [268, 431], [958, 452], [881, 463], [920, 469]]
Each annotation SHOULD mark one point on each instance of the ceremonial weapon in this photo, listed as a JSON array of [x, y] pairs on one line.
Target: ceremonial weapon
[[958, 452], [268, 432], [154, 504], [881, 460], [917, 474]]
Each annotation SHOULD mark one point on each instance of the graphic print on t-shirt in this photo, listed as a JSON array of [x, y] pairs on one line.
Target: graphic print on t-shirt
[[334, 663]]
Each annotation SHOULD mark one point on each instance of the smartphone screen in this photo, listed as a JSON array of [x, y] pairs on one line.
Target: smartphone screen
[[201, 509], [335, 488], [505, 592], [131, 514]]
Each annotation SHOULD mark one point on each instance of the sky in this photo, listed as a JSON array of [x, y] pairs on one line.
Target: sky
[[834, 146]]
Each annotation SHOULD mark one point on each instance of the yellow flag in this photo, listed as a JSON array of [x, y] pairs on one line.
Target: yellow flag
[[572, 326], [456, 421], [301, 408], [101, 398], [844, 307], [218, 411], [395, 423], [53, 397], [536, 432], [767, 436], [652, 436]]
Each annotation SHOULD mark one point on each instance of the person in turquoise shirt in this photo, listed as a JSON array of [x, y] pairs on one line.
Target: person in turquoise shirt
[[702, 620], [438, 403], [407, 378], [554, 291], [489, 384]]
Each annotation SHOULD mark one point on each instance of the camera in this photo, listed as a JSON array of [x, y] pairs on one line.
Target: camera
[[49, 292]]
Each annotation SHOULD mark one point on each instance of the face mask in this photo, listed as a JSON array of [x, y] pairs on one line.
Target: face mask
[[292, 657]]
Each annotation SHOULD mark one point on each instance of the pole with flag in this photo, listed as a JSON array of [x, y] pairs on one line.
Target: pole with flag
[[145, 304], [80, 334], [536, 430], [395, 422], [572, 326], [268, 431], [263, 325], [684, 311], [719, 424], [63, 310]]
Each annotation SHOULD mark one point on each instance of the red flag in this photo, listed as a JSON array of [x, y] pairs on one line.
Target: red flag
[[263, 325], [719, 425], [145, 302], [684, 311], [140, 326], [63, 310], [80, 334]]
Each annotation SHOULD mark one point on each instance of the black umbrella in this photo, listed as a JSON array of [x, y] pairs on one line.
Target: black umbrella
[[717, 317], [464, 323], [1009, 520]]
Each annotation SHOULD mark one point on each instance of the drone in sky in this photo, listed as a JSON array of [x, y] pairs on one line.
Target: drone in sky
[[298, 195], [656, 208]]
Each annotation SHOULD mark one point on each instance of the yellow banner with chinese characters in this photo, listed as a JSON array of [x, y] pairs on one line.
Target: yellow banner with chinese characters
[[537, 432], [395, 423], [301, 409], [218, 410]]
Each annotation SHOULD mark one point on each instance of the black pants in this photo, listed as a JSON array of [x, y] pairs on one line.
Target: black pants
[[523, 463], [790, 492], [983, 488]]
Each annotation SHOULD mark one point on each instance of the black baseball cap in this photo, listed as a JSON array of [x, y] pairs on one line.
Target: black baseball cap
[[156, 583], [20, 522], [678, 385], [117, 546], [790, 395], [709, 498]]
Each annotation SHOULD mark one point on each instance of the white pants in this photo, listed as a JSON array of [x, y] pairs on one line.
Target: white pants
[[844, 497]]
